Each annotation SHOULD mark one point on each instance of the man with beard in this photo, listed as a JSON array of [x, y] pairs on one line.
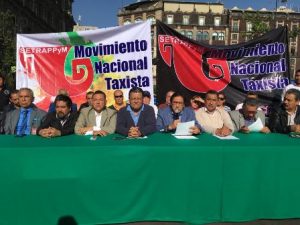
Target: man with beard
[[287, 118], [169, 117], [213, 119], [136, 119], [21, 121], [61, 122]]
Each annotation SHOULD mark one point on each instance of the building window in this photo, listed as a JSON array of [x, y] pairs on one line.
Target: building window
[[280, 24], [215, 36], [234, 36], [217, 21], [127, 22], [186, 19], [234, 42], [170, 19], [201, 20], [151, 19], [221, 36], [202, 36], [182, 32], [189, 34], [248, 26], [248, 37], [235, 26], [137, 20], [293, 51]]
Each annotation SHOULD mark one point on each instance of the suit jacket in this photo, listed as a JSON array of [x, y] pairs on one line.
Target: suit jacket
[[165, 117], [12, 118], [279, 119], [87, 118], [52, 121], [238, 119], [146, 122]]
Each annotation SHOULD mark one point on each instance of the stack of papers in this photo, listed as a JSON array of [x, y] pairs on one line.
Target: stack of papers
[[183, 130]]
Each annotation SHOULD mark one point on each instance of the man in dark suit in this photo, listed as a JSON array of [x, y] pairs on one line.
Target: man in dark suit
[[21, 121], [61, 122], [136, 119], [287, 118]]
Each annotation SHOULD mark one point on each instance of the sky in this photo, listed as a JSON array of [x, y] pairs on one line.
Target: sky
[[103, 13]]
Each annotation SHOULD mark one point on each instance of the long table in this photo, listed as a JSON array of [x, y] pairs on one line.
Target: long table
[[159, 178]]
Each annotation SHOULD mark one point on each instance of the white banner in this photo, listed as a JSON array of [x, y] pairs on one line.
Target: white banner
[[104, 59]]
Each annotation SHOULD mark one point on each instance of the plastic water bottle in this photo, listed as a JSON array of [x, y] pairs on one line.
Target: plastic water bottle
[[34, 126]]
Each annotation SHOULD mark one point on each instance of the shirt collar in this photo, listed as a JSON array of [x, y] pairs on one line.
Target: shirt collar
[[128, 108]]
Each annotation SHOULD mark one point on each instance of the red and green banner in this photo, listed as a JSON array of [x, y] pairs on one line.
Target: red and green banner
[[103, 59]]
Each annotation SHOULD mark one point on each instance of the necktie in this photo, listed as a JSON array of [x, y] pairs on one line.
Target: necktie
[[23, 125]]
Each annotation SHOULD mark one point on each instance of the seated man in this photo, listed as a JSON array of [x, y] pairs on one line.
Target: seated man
[[212, 119], [136, 119], [248, 115], [61, 122], [169, 117], [286, 118], [20, 121], [88, 97], [119, 100], [97, 120]]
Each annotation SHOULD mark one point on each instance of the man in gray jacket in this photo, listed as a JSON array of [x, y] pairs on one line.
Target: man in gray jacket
[[97, 120], [21, 121], [247, 115]]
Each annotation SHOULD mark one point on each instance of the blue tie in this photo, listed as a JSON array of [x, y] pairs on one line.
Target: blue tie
[[23, 126]]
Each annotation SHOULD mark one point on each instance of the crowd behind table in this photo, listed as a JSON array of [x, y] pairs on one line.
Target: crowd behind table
[[137, 117]]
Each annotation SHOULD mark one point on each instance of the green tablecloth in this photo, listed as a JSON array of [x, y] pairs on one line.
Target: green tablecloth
[[158, 179]]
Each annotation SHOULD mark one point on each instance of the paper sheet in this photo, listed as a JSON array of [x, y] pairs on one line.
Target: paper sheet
[[183, 128], [256, 126], [229, 137], [185, 137]]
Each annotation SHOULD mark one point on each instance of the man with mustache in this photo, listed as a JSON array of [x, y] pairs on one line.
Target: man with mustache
[[286, 118], [169, 117], [61, 122]]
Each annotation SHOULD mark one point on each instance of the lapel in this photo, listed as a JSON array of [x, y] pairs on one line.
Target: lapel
[[15, 118], [33, 115], [91, 118], [104, 117]]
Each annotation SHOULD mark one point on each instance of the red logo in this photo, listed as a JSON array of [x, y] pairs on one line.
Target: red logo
[[193, 69], [55, 68]]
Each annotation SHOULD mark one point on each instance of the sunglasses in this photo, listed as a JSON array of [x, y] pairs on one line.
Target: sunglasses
[[118, 96]]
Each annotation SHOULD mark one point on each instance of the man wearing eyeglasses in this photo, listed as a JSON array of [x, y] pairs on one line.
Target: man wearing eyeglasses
[[248, 115], [169, 117], [119, 101]]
